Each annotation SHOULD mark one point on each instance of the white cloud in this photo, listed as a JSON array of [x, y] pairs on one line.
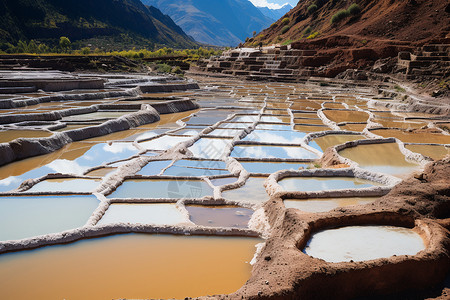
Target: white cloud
[[65, 166], [264, 3]]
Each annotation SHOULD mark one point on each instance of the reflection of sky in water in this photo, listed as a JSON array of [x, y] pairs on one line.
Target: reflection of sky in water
[[269, 167], [208, 164], [95, 156], [272, 152], [359, 243], [209, 148], [272, 119], [244, 119], [154, 167], [275, 136], [322, 184], [161, 188], [22, 217], [274, 127], [159, 214], [164, 142], [187, 171], [65, 185], [253, 191], [225, 132], [233, 125]]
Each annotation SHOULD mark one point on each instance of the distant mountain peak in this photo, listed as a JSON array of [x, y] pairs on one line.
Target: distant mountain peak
[[276, 14], [270, 5], [215, 22]]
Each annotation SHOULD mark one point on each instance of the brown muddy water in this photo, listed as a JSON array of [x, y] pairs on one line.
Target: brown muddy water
[[136, 266]]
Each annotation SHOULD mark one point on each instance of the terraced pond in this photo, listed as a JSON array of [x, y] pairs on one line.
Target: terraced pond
[[195, 184]]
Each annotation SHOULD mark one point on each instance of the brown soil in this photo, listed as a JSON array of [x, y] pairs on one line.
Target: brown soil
[[381, 22], [382, 30]]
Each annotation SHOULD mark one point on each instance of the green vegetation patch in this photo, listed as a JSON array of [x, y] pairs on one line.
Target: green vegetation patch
[[285, 29], [311, 9]]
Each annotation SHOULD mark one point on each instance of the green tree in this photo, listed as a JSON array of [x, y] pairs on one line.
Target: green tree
[[64, 43], [85, 50]]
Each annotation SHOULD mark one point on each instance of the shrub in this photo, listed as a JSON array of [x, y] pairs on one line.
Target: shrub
[[285, 29], [307, 30], [287, 42], [273, 25], [313, 35], [285, 21], [64, 43], [354, 9], [339, 16], [163, 68], [85, 50], [311, 9]]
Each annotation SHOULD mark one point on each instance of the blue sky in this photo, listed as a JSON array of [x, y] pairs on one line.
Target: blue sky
[[273, 3]]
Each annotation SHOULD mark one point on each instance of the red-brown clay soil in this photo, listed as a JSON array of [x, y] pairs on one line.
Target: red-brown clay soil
[[422, 201], [380, 31]]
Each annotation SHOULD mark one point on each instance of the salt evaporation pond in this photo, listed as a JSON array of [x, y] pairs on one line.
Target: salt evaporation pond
[[384, 158], [309, 184], [326, 204], [162, 188], [156, 266], [154, 167], [252, 192], [270, 167], [7, 136], [155, 213], [287, 152], [324, 142], [66, 185], [359, 243], [220, 216], [24, 217], [435, 152], [278, 136]]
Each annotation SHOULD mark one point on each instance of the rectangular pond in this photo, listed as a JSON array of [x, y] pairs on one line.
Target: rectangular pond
[[287, 152], [270, 167], [28, 216], [309, 184], [133, 266], [252, 192], [157, 213], [66, 185], [275, 136], [162, 188], [220, 216], [383, 158]]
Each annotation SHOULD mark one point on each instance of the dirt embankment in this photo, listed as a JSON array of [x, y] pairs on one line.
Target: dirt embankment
[[422, 201]]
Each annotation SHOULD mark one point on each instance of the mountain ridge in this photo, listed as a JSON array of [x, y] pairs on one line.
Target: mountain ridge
[[275, 14], [215, 22], [84, 19]]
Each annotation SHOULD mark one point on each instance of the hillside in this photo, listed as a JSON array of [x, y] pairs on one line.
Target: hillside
[[275, 14], [413, 21], [122, 22], [214, 22]]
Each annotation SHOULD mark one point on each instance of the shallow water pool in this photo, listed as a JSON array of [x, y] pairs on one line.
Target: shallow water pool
[[359, 243]]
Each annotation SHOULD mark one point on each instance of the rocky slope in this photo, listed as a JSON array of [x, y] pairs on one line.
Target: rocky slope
[[83, 19], [215, 22], [414, 21]]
